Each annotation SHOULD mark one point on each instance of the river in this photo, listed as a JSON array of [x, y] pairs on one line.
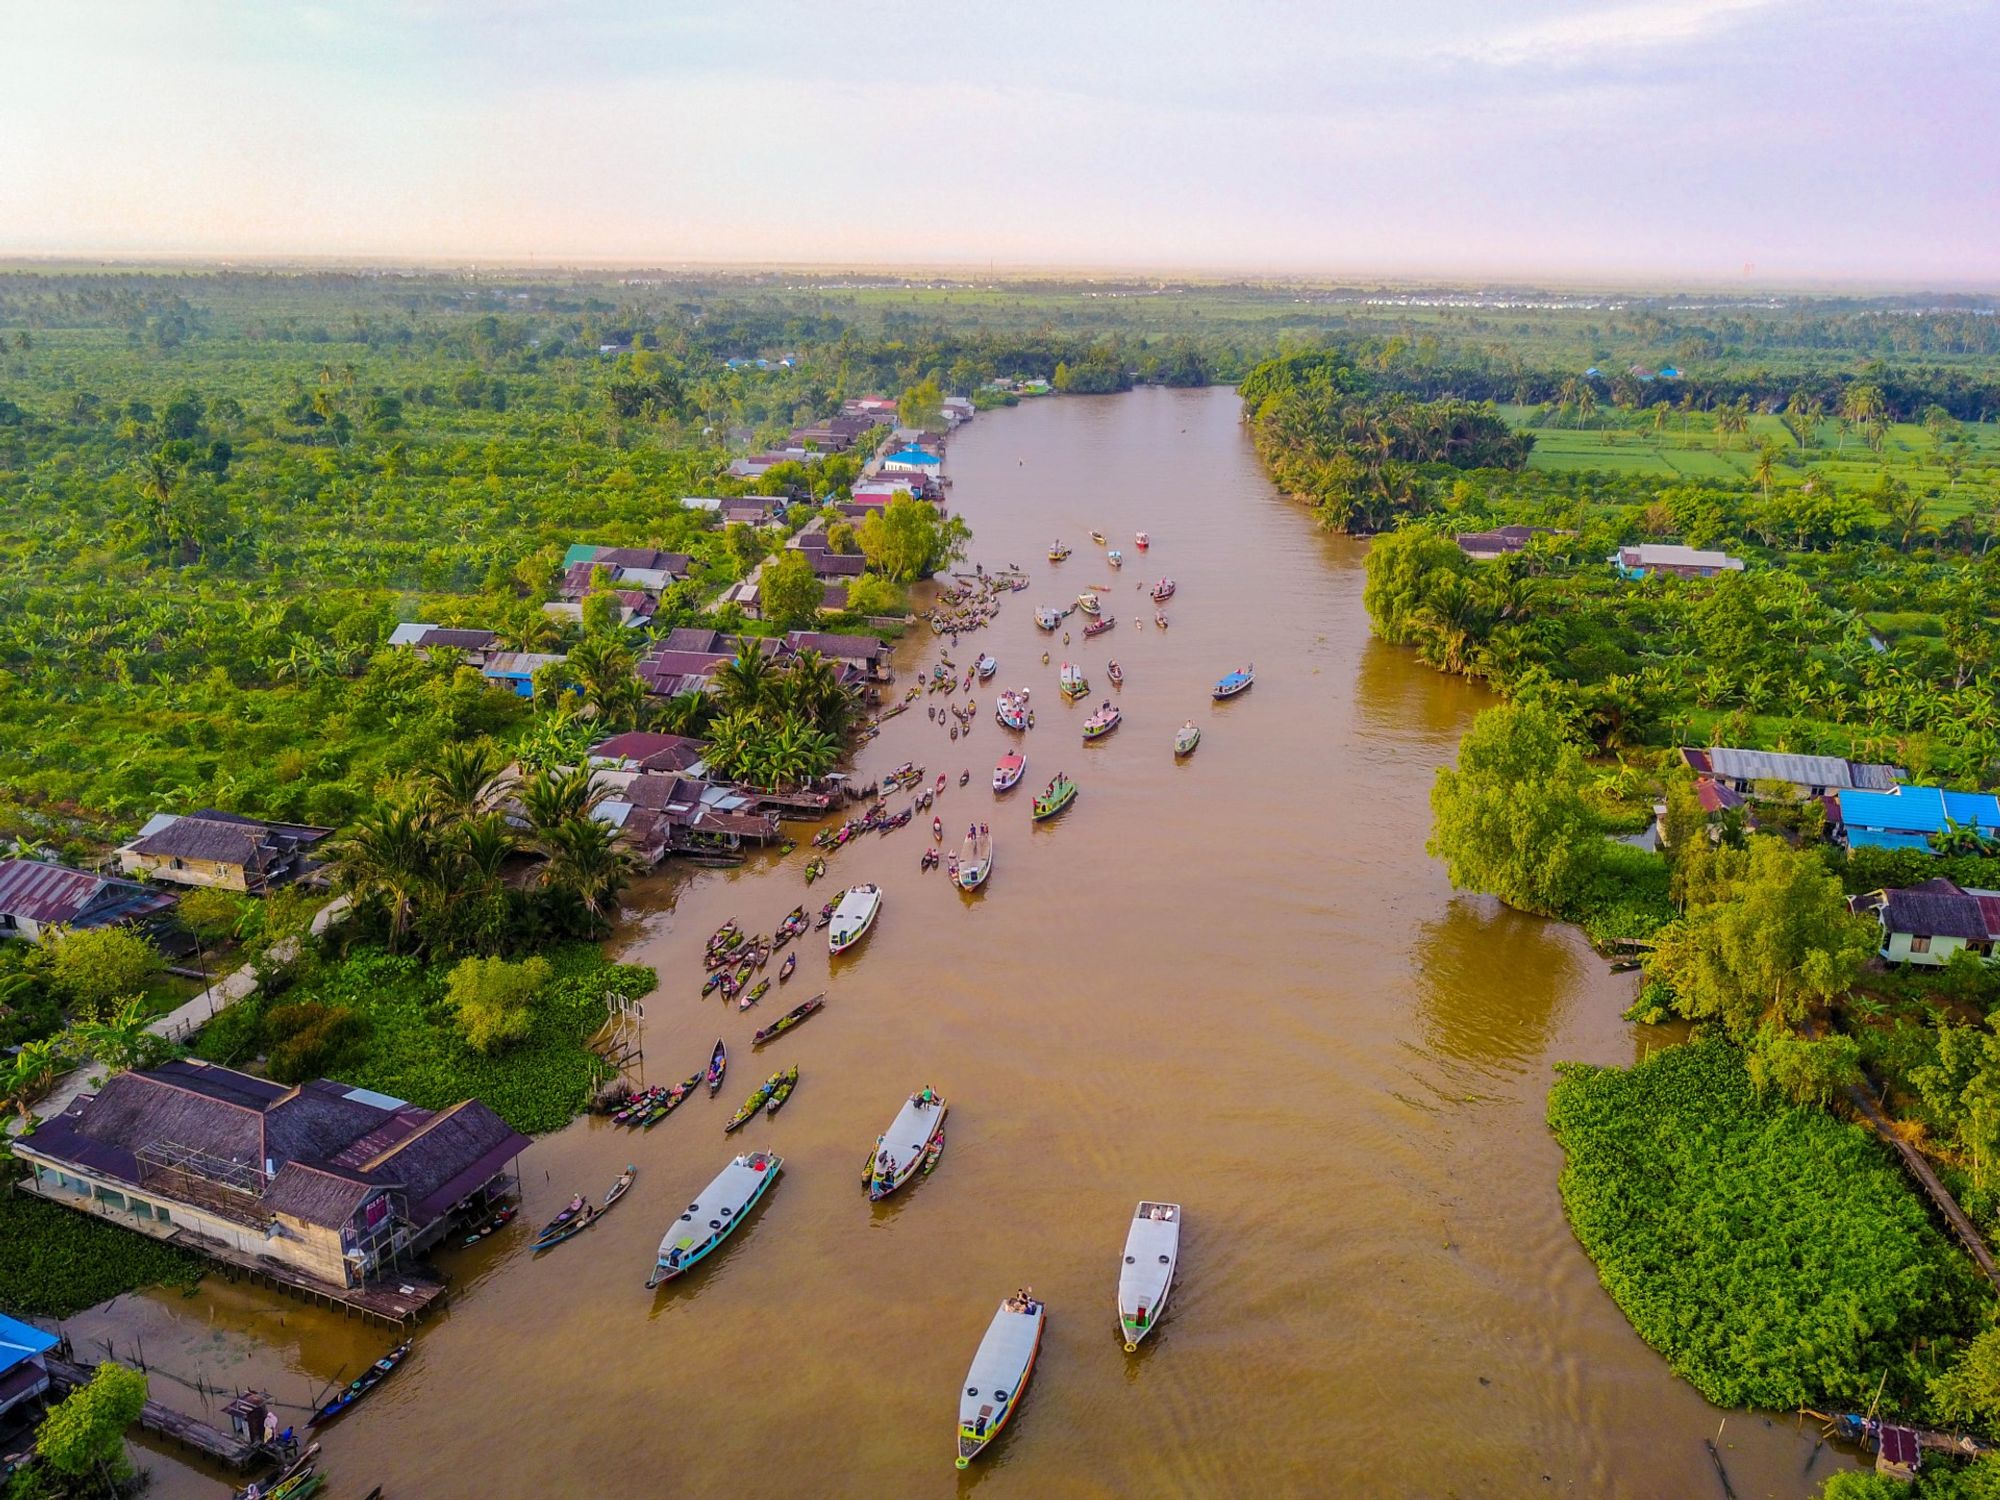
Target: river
[[1236, 981]]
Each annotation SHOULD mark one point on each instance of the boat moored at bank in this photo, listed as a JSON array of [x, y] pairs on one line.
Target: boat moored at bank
[[999, 1373], [1152, 1251], [913, 1138], [853, 917], [714, 1215]]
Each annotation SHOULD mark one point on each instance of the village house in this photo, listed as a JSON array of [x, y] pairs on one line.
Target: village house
[[1906, 817], [958, 410], [882, 408], [878, 490], [24, 1373], [1683, 562], [702, 817], [646, 750], [867, 655], [340, 1185], [636, 608], [474, 645], [221, 849], [641, 568], [913, 460], [1501, 541], [1928, 923], [36, 896], [753, 510], [1806, 775]]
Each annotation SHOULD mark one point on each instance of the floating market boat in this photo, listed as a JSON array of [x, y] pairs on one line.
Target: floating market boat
[[291, 1480], [789, 1019], [718, 1064], [1061, 792], [787, 1081], [1098, 627], [975, 860], [1101, 723], [755, 993], [1058, 553], [675, 1098], [1009, 771], [714, 1215], [1049, 619], [1163, 591], [1097, 537], [785, 970], [591, 1213], [1012, 709], [1089, 603], [985, 667], [1142, 541], [853, 917], [1116, 673], [759, 1096], [573, 1210], [361, 1385], [999, 1374], [1072, 681], [902, 1148], [1115, 558], [1186, 738], [1236, 682], [1152, 1248]]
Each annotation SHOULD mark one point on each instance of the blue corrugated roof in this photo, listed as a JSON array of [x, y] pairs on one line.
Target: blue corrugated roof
[[1909, 809], [21, 1341], [1871, 838], [1973, 809], [913, 456]]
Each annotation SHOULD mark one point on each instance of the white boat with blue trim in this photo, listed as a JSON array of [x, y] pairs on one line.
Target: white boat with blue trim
[[999, 1373], [910, 1141], [853, 917], [1152, 1251], [1236, 682], [714, 1215]]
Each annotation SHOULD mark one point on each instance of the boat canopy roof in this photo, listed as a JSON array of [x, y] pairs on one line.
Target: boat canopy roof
[[715, 1210], [912, 1130], [1001, 1361]]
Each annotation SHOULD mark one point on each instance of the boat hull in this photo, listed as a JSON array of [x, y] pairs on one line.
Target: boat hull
[[1146, 1277], [663, 1273], [974, 1439]]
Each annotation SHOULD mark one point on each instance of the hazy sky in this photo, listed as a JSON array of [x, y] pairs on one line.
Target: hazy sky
[[1713, 139]]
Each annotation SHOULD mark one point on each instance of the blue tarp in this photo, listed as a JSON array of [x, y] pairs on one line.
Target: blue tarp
[[21, 1341]]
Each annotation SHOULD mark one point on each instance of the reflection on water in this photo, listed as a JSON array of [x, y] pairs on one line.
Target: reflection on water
[[1235, 981]]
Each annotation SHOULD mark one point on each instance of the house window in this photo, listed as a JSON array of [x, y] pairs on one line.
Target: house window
[[109, 1197], [140, 1208], [162, 1216], [1920, 945]]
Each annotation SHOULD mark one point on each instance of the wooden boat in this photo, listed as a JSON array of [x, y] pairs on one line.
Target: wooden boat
[[1115, 558], [713, 981], [785, 970], [714, 1215], [1163, 591], [985, 667], [900, 1150], [1012, 709], [718, 1064], [1049, 619], [1186, 738], [1009, 771], [1097, 537], [1098, 627], [361, 1385], [1160, 618], [499, 1221], [788, 1020], [1142, 541], [788, 1081], [825, 914], [1090, 604], [675, 1097], [965, 777], [755, 993], [1152, 1249], [999, 1374], [591, 1213], [1236, 682], [1058, 553], [758, 1097], [975, 860], [814, 869], [1061, 792], [1101, 723], [853, 917], [1072, 681], [1116, 673], [285, 1482], [575, 1209]]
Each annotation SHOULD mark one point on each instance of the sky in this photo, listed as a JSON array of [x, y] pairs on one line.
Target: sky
[[1705, 141]]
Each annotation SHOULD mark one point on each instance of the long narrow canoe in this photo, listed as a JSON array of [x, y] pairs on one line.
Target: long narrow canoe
[[788, 1081], [361, 1385], [714, 1215], [718, 1064], [591, 1213], [999, 1374], [1152, 1250], [672, 1100], [788, 1020]]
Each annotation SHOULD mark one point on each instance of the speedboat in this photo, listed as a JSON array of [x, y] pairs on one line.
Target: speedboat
[[1073, 683], [1048, 619], [1102, 722], [975, 860], [1058, 552], [913, 1139], [853, 917], [1152, 1248], [714, 1215], [1012, 709], [1087, 602], [986, 666], [1115, 558], [1163, 591], [1236, 682], [1186, 738], [1143, 541], [1009, 771], [999, 1374]]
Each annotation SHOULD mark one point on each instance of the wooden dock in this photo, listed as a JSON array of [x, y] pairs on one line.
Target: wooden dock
[[164, 1421], [1863, 1097], [400, 1300]]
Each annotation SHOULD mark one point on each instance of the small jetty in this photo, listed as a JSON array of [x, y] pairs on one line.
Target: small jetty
[[230, 1448]]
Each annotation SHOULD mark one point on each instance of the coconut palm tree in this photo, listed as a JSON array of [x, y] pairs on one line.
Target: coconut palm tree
[[1765, 467], [464, 776], [390, 856]]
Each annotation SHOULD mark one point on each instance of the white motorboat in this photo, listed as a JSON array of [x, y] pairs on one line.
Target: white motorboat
[[853, 917], [1186, 738], [1088, 603], [914, 1138], [1152, 1250], [1012, 709], [1010, 770], [986, 666], [975, 860], [999, 1374], [1048, 618], [714, 1214]]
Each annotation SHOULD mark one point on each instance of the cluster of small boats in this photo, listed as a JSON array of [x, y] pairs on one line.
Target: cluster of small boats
[[580, 1213], [769, 1096]]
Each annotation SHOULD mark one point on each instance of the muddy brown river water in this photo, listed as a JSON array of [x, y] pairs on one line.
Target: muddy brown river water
[[1235, 981]]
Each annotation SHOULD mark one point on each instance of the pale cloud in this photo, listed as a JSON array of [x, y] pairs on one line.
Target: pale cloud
[[1617, 31]]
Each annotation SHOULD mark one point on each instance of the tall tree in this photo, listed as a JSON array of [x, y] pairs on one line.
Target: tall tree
[[1510, 818]]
